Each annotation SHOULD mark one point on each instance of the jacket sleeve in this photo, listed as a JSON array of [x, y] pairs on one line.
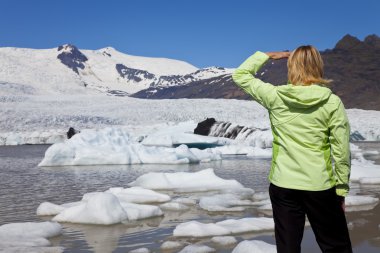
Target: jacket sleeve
[[243, 76], [340, 144]]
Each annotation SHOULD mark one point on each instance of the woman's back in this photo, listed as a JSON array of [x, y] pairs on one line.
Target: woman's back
[[309, 127], [306, 121]]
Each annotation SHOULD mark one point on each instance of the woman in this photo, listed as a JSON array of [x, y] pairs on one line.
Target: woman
[[309, 127]]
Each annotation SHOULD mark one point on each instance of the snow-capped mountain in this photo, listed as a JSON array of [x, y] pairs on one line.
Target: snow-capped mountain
[[70, 70]]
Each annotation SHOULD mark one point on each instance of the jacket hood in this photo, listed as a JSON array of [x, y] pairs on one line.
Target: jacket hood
[[303, 96]]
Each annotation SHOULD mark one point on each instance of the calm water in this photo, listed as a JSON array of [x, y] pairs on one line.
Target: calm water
[[23, 186]]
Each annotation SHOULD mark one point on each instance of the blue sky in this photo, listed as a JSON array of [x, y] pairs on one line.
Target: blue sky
[[203, 33]]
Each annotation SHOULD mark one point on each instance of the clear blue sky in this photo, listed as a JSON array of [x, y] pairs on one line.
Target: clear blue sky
[[203, 33]]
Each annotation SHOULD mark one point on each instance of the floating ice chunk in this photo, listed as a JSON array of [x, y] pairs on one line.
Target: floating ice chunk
[[369, 180], [198, 229], [195, 248], [139, 195], [140, 250], [138, 212], [186, 201], [104, 208], [361, 169], [206, 155], [224, 203], [47, 208], [360, 203], [173, 206], [28, 234], [204, 180], [114, 146], [261, 202], [169, 245], [224, 240], [254, 246], [260, 196], [226, 227], [101, 208], [266, 209]]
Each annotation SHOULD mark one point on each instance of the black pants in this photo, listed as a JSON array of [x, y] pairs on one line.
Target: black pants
[[325, 214]]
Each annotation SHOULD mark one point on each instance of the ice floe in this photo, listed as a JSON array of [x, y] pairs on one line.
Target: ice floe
[[29, 236], [101, 208], [115, 146], [254, 246], [363, 169], [139, 195], [360, 203], [169, 245], [224, 203], [140, 250], [197, 248], [204, 180], [173, 206], [226, 227], [224, 240]]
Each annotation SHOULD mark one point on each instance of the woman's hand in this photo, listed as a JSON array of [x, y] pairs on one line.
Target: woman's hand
[[278, 55]]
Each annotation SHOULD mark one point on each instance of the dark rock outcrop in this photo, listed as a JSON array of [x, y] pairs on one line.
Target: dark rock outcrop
[[136, 75], [70, 56], [203, 128]]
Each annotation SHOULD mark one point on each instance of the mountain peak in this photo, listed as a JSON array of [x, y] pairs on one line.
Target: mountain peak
[[72, 57], [67, 48], [372, 40], [348, 42], [108, 51]]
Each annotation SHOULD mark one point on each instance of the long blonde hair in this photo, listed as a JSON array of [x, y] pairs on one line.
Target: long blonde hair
[[305, 67]]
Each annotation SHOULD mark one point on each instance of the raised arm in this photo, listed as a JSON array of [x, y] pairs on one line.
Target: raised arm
[[244, 77], [339, 139]]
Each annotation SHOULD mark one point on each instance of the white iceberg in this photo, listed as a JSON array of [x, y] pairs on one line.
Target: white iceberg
[[169, 245], [369, 180], [224, 203], [100, 208], [204, 180], [139, 195], [173, 206], [363, 169], [226, 227], [29, 236], [254, 246], [197, 248], [115, 146], [140, 250], [224, 240], [360, 203]]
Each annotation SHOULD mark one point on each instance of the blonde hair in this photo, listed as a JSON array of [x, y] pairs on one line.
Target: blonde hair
[[305, 67]]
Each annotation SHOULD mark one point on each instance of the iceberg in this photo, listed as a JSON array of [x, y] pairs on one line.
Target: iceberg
[[29, 236], [254, 246], [105, 208], [116, 146], [226, 227], [204, 180]]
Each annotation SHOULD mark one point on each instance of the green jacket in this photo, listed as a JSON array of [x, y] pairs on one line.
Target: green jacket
[[309, 126]]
